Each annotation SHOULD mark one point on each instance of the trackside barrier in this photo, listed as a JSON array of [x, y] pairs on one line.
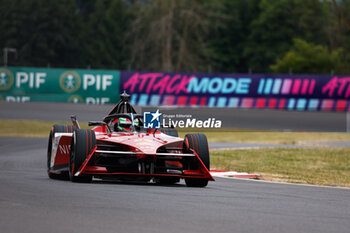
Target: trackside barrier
[[292, 92]]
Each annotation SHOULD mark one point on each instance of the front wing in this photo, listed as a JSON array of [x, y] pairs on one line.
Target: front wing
[[146, 165]]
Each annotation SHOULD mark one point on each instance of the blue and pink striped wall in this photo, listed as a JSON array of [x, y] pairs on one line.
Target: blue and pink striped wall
[[290, 92], [300, 104]]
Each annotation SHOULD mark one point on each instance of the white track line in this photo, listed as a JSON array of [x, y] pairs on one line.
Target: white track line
[[258, 178], [275, 182], [228, 174]]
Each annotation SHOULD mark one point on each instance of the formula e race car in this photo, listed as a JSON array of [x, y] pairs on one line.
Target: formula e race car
[[120, 148]]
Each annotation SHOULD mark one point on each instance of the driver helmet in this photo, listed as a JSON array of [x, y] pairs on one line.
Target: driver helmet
[[137, 122], [119, 123]]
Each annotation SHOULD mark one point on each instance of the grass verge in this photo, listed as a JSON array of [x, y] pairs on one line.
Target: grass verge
[[329, 166], [298, 138], [28, 128]]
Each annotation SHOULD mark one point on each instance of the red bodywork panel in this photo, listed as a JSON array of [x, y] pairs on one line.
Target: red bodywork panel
[[61, 157], [141, 142]]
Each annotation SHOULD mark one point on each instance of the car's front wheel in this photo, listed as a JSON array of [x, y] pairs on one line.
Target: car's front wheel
[[83, 143], [198, 143]]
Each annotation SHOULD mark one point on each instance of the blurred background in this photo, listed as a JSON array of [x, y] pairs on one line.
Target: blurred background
[[222, 36], [276, 73]]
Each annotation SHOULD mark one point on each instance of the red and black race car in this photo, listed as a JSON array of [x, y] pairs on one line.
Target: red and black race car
[[119, 147]]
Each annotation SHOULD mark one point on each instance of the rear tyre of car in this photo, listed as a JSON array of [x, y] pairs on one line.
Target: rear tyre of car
[[170, 132], [198, 143], [57, 129], [83, 142]]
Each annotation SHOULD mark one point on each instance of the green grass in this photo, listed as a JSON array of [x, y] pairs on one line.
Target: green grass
[[309, 166], [300, 138], [26, 128]]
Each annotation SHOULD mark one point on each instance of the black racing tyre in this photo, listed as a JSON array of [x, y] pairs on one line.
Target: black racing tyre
[[83, 142], [198, 143], [57, 129], [170, 132]]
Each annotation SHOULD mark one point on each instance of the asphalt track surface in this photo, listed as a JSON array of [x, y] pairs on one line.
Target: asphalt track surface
[[31, 202]]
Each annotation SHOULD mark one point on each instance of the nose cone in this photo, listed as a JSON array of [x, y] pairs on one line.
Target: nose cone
[[144, 142]]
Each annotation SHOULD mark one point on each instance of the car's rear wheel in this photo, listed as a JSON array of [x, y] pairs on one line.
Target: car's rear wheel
[[83, 143], [57, 129], [198, 143], [170, 132]]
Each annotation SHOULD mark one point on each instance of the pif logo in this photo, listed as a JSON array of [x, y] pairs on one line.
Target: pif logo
[[6, 79], [152, 120], [75, 99], [70, 81]]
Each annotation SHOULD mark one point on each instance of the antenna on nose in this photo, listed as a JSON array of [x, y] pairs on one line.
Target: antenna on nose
[[125, 97]]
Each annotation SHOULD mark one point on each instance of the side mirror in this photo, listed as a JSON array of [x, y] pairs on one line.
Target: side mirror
[[100, 123], [96, 123]]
